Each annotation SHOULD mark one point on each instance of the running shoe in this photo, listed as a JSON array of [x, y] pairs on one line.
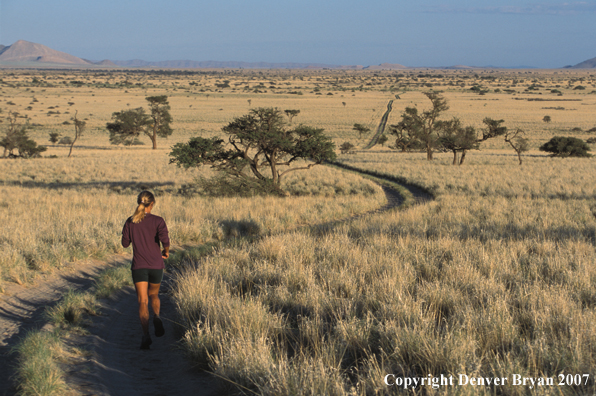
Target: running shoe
[[158, 324], [146, 341]]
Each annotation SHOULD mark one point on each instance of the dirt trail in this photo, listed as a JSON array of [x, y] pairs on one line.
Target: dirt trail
[[113, 364], [116, 366], [21, 309]]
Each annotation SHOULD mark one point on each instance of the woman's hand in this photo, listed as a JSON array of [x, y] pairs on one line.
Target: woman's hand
[[165, 253]]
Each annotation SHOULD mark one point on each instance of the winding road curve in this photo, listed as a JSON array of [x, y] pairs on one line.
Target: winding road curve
[[112, 363]]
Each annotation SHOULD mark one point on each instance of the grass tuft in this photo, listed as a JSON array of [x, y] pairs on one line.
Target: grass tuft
[[38, 373]]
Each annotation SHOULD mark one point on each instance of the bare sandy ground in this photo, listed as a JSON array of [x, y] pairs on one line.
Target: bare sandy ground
[[115, 365]]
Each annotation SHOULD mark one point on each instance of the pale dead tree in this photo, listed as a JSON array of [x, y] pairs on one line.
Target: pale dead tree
[[517, 142], [79, 128]]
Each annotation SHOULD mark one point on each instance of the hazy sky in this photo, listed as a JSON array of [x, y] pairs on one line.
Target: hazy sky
[[413, 33]]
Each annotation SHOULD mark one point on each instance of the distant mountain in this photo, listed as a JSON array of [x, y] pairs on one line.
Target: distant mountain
[[105, 62], [588, 64], [188, 64], [386, 66], [24, 51]]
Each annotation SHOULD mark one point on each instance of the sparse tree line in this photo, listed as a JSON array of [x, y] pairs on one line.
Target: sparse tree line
[[263, 128], [424, 131]]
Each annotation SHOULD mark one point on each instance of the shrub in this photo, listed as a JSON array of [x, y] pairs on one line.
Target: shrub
[[66, 140], [561, 146], [346, 147], [16, 141], [54, 136]]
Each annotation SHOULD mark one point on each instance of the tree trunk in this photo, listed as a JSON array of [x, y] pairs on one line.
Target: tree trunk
[[274, 174], [519, 157], [154, 137], [72, 144], [454, 157], [463, 156]]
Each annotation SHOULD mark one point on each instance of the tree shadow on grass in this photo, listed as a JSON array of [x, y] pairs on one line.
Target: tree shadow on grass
[[116, 186]]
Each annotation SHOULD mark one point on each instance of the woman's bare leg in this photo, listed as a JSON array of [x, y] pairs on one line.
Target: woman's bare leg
[[142, 296], [154, 297]]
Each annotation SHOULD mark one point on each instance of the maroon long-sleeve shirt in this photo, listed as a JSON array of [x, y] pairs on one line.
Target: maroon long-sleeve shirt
[[145, 238]]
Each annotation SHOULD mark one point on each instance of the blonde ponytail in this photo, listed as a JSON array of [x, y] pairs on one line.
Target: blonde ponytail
[[145, 199], [139, 214]]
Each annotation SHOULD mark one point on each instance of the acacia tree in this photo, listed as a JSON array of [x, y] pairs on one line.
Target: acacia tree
[[404, 139], [291, 114], [160, 118], [258, 143], [129, 124], [517, 142], [361, 129], [493, 129], [16, 138], [422, 126], [454, 137]]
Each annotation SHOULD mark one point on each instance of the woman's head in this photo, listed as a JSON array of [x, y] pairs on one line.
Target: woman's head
[[145, 199]]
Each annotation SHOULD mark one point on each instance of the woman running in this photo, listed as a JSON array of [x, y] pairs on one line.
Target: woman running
[[145, 231]]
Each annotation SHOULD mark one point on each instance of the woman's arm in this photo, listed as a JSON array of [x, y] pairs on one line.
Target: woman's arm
[[126, 235]]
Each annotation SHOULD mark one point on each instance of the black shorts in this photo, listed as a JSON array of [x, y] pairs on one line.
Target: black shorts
[[147, 275]]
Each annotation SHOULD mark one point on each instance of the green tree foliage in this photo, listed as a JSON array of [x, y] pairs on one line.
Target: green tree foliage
[[346, 148], [493, 129], [128, 125], [361, 129], [16, 141], [291, 114], [54, 137], [561, 146], [258, 144], [405, 140], [546, 119], [454, 137], [421, 127]]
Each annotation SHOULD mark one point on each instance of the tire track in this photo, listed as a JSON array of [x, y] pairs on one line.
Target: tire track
[[381, 127]]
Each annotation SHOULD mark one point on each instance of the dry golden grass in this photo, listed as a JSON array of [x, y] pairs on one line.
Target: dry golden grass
[[494, 278], [56, 211]]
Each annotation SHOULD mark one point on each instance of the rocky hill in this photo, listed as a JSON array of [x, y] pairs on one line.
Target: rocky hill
[[24, 52], [587, 64]]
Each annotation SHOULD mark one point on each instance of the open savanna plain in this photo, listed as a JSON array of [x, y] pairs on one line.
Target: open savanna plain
[[495, 277]]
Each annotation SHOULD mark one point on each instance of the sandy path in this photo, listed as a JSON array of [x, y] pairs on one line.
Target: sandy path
[[115, 364]]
